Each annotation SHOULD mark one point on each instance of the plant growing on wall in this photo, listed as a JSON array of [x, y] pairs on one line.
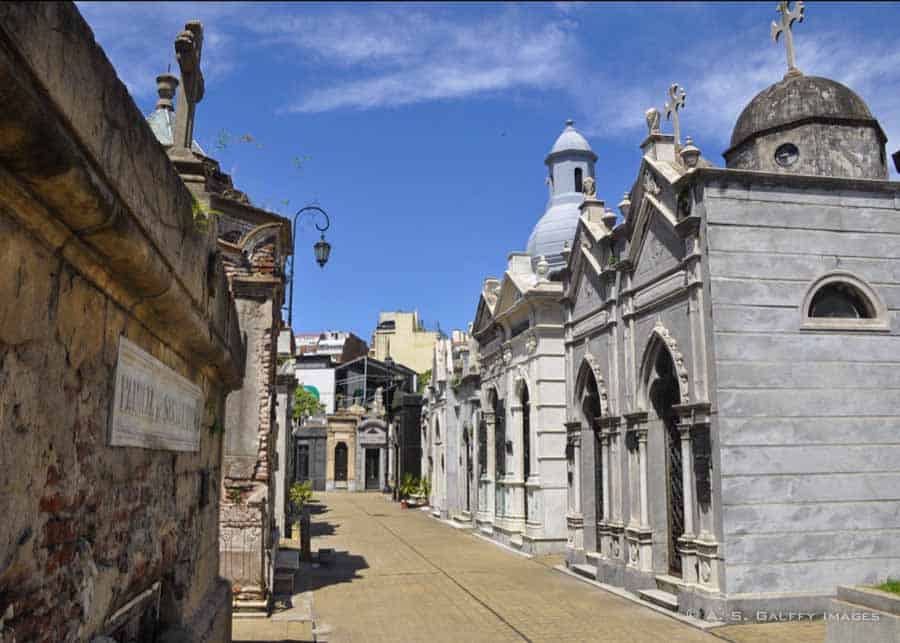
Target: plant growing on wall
[[305, 403]]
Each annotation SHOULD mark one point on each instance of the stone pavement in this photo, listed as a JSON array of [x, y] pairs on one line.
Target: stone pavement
[[400, 575]]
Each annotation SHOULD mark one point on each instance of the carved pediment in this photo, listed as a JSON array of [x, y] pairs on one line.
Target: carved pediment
[[509, 295], [659, 249], [587, 295]]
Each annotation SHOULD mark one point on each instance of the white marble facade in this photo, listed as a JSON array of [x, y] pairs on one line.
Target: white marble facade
[[521, 437]]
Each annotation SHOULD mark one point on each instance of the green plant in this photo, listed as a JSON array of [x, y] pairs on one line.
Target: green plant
[[424, 381], [612, 261], [202, 213], [425, 487], [300, 494], [408, 486], [455, 381], [305, 403], [217, 427], [234, 495], [891, 585]]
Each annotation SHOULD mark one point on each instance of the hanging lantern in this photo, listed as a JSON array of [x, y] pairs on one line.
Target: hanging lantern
[[322, 249]]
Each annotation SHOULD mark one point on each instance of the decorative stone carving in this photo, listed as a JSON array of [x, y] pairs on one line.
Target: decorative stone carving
[[784, 26], [602, 391], [677, 358], [705, 571], [676, 102], [507, 353], [543, 268], [635, 552], [650, 184], [531, 343], [589, 187], [652, 116], [491, 292], [625, 205]]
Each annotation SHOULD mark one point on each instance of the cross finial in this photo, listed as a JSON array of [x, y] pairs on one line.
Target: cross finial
[[783, 26], [188, 46], [676, 102]]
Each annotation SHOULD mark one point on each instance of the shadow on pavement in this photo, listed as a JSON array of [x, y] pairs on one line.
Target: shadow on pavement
[[343, 568]]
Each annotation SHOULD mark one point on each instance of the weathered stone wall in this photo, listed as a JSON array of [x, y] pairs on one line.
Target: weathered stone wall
[[97, 241], [850, 151], [807, 418]]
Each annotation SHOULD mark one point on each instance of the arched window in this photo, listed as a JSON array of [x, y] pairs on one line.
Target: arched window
[[842, 301], [578, 181]]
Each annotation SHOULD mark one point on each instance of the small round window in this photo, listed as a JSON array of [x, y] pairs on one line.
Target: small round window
[[786, 154], [842, 301]]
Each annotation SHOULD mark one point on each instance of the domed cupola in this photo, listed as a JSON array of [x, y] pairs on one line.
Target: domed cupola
[[807, 124], [570, 161]]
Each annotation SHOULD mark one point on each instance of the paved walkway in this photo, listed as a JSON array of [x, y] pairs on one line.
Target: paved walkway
[[400, 575]]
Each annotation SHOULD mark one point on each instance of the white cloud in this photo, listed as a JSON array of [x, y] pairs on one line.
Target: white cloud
[[722, 76], [139, 38], [409, 57]]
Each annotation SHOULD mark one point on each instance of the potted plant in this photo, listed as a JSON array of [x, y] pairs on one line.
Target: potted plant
[[408, 487], [424, 491]]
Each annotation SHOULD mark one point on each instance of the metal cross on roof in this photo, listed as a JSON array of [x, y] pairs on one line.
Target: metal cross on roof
[[676, 102], [783, 26]]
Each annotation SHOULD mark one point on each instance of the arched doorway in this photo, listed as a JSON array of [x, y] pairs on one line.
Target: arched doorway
[[467, 439], [591, 412], [340, 462], [664, 394]]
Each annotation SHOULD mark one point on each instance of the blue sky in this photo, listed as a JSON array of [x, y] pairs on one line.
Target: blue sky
[[422, 128]]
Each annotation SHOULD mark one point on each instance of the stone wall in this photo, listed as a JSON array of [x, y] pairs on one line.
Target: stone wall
[[97, 242], [808, 418]]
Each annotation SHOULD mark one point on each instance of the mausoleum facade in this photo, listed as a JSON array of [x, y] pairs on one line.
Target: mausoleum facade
[[731, 426]]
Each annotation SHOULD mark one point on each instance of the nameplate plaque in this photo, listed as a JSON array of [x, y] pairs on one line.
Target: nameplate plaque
[[153, 407]]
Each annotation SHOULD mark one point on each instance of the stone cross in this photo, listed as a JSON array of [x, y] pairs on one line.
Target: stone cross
[[188, 46], [676, 102], [788, 17]]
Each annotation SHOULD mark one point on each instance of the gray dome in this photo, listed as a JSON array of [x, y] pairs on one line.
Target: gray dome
[[798, 98], [570, 155], [571, 140], [554, 229]]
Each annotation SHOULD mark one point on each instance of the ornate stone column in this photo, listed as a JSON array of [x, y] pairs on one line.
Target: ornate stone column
[[486, 481], [574, 515], [644, 482]]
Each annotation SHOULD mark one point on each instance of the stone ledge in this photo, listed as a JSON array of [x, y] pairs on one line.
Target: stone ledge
[[84, 173]]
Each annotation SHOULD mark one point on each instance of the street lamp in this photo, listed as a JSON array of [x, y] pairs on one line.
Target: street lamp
[[389, 362], [321, 248]]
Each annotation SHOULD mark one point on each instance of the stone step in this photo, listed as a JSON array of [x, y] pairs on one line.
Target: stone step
[[670, 584], [287, 560], [283, 583], [251, 609], [588, 571], [660, 598]]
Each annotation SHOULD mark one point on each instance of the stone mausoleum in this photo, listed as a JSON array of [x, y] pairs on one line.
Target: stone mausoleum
[[252, 246], [518, 329], [451, 413], [119, 342], [731, 343]]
